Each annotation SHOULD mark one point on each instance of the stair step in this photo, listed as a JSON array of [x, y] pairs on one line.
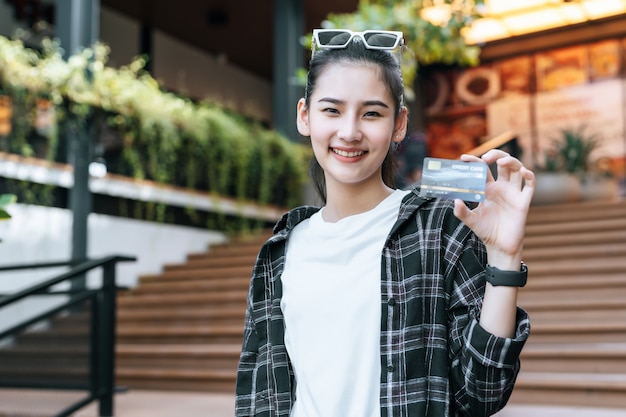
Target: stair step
[[600, 325], [578, 316], [564, 251], [611, 335], [195, 351], [177, 314], [607, 332], [588, 358], [163, 381], [576, 266], [573, 380], [213, 261], [231, 252], [235, 249], [567, 228], [185, 374], [586, 238], [571, 388], [204, 380], [62, 336], [201, 356], [42, 357], [576, 212], [74, 350], [212, 273], [191, 286], [598, 280], [232, 297], [176, 334], [573, 298], [38, 374]]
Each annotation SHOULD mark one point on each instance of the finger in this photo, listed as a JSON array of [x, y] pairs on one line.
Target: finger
[[511, 162], [507, 166], [529, 177], [472, 158], [504, 168], [529, 184], [462, 212], [516, 178], [493, 155]]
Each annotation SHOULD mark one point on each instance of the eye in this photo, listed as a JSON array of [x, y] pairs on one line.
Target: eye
[[330, 110], [372, 114]]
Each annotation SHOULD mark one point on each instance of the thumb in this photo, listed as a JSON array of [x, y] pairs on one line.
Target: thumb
[[462, 212]]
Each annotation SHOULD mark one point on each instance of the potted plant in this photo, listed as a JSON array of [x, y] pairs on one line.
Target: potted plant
[[599, 182], [569, 172], [554, 183]]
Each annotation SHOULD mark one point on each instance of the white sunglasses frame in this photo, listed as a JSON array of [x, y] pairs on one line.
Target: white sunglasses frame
[[315, 45]]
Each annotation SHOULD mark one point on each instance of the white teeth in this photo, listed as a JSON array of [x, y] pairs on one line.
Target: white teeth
[[347, 154]]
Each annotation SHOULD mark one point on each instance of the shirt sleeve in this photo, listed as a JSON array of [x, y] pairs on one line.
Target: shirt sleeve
[[244, 397], [483, 366]]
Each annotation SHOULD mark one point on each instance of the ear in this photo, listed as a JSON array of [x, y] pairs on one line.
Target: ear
[[302, 118], [400, 126]]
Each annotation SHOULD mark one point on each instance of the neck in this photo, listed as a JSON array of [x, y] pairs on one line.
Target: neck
[[349, 200]]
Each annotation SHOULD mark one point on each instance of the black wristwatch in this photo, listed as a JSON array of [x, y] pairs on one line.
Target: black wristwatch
[[498, 277]]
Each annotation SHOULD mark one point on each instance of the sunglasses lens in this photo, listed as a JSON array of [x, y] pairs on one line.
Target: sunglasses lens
[[381, 39], [333, 37]]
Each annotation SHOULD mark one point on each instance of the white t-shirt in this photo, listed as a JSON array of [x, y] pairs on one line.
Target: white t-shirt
[[331, 304]]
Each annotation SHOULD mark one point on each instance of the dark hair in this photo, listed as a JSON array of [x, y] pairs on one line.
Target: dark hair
[[356, 52]]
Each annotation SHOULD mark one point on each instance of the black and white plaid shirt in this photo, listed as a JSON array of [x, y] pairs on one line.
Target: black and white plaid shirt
[[436, 361]]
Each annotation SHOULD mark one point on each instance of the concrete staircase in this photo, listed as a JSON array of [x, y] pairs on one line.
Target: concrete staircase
[[182, 329], [57, 353], [576, 298]]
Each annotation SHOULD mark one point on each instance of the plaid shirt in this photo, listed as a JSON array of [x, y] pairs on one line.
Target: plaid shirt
[[436, 360]]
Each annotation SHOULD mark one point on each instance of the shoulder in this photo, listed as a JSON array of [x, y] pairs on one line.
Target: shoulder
[[284, 226], [294, 216]]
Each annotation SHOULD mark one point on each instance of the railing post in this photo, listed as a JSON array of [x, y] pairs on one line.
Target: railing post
[[95, 345], [107, 340]]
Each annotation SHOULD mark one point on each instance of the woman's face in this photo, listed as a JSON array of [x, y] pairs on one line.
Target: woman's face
[[352, 122]]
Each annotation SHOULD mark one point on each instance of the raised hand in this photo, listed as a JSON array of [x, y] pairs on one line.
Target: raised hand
[[499, 220]]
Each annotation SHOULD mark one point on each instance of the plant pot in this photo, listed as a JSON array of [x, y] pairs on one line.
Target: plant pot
[[595, 188], [556, 188]]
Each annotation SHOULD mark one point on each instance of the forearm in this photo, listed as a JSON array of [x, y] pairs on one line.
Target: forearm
[[499, 310]]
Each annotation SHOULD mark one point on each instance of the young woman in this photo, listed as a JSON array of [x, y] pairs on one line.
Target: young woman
[[382, 302]]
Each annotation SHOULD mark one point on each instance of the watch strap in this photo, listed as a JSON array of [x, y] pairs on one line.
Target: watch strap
[[498, 277]]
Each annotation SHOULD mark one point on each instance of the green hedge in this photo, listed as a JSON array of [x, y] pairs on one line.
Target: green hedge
[[162, 136]]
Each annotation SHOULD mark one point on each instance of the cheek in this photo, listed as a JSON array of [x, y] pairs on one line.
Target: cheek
[[383, 136], [320, 132], [319, 145]]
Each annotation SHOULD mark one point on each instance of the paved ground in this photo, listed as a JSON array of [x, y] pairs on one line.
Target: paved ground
[[180, 404]]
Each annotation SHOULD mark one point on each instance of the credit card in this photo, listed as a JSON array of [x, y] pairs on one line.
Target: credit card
[[451, 178]]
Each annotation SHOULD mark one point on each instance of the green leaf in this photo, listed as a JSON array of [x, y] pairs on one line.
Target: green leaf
[[7, 199], [4, 215]]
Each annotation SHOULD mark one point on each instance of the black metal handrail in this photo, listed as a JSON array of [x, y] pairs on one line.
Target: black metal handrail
[[102, 341]]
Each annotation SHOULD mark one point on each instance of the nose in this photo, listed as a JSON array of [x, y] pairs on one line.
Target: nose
[[350, 130]]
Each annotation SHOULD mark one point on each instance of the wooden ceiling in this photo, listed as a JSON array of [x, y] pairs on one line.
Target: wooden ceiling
[[241, 31]]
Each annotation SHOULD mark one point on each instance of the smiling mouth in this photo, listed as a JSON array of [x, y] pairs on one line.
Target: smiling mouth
[[348, 154]]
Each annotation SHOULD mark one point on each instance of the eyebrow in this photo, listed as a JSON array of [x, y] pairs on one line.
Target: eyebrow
[[365, 103]]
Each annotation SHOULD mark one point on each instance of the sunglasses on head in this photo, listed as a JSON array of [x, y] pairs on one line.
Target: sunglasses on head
[[340, 38]]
